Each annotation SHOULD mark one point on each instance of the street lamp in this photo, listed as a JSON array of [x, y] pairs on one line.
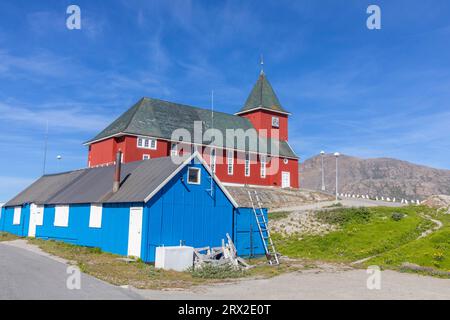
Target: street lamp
[[58, 158], [337, 174], [323, 174]]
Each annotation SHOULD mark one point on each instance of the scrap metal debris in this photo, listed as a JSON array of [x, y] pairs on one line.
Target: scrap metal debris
[[226, 254]]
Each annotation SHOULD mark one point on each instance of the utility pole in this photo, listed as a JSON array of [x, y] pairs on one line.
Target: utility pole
[[45, 149]]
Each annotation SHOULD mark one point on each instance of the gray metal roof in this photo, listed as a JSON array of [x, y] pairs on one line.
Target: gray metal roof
[[94, 185], [44, 188], [158, 118]]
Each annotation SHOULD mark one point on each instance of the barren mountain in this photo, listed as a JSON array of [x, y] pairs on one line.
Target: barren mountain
[[375, 177]]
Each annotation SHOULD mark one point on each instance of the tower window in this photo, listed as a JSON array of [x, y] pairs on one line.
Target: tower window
[[275, 122]]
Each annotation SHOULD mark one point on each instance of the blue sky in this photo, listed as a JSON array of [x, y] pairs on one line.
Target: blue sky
[[382, 93]]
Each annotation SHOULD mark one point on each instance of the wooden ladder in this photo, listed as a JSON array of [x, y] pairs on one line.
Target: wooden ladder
[[263, 228]]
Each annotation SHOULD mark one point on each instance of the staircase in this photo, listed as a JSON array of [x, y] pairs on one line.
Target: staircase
[[263, 227]]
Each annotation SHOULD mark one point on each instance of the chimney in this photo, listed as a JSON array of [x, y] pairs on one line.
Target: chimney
[[116, 181]]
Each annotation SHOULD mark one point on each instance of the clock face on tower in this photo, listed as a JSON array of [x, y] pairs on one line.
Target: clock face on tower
[[275, 122]]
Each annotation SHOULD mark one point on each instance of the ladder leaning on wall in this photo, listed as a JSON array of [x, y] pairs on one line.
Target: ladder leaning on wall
[[263, 228]]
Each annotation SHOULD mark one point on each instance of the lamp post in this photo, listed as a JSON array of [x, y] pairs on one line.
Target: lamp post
[[323, 173], [337, 174]]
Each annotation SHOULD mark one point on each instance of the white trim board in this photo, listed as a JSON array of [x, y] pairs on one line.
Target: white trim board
[[261, 108]]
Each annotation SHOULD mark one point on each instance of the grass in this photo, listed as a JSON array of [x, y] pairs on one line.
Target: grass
[[432, 251], [111, 268], [5, 236], [335, 205], [209, 271], [363, 232], [274, 216]]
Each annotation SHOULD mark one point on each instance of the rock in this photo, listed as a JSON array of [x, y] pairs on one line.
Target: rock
[[382, 176], [438, 202]]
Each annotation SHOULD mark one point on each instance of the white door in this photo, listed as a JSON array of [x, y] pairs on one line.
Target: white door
[[36, 219], [285, 179], [135, 232]]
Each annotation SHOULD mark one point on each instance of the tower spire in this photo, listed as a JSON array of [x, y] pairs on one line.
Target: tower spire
[[262, 65]]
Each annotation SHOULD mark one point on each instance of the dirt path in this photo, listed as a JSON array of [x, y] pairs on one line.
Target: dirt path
[[438, 225], [317, 284]]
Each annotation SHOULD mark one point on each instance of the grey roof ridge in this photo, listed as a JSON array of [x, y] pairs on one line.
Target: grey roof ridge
[[189, 106], [109, 194], [63, 188]]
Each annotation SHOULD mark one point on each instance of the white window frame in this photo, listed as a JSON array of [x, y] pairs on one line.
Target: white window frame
[[174, 149], [199, 175], [140, 142], [146, 143], [247, 165], [153, 144], [61, 216], [212, 159], [145, 157], [95, 216], [17, 216], [263, 162], [230, 162], [275, 122]]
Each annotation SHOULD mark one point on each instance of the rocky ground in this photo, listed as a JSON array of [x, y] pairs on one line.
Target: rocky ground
[[302, 219], [277, 198], [301, 222], [439, 202]]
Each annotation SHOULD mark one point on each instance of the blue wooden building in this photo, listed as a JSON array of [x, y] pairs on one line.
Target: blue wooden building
[[153, 203]]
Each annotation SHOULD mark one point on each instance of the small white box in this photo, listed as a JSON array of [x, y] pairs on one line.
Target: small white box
[[174, 258]]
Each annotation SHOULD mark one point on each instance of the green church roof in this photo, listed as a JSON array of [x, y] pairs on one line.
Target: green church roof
[[158, 118], [262, 96]]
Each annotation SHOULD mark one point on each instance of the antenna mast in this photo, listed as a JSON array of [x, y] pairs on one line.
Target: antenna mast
[[213, 159], [45, 148]]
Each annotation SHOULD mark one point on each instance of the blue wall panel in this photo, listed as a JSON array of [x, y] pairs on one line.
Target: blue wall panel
[[111, 237], [2, 219], [7, 225], [247, 239], [115, 226], [70, 234], [187, 213]]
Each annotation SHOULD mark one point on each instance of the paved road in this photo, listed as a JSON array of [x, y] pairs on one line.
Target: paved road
[[341, 285], [25, 274]]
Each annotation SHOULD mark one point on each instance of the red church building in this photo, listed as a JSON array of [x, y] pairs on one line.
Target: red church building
[[146, 131]]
